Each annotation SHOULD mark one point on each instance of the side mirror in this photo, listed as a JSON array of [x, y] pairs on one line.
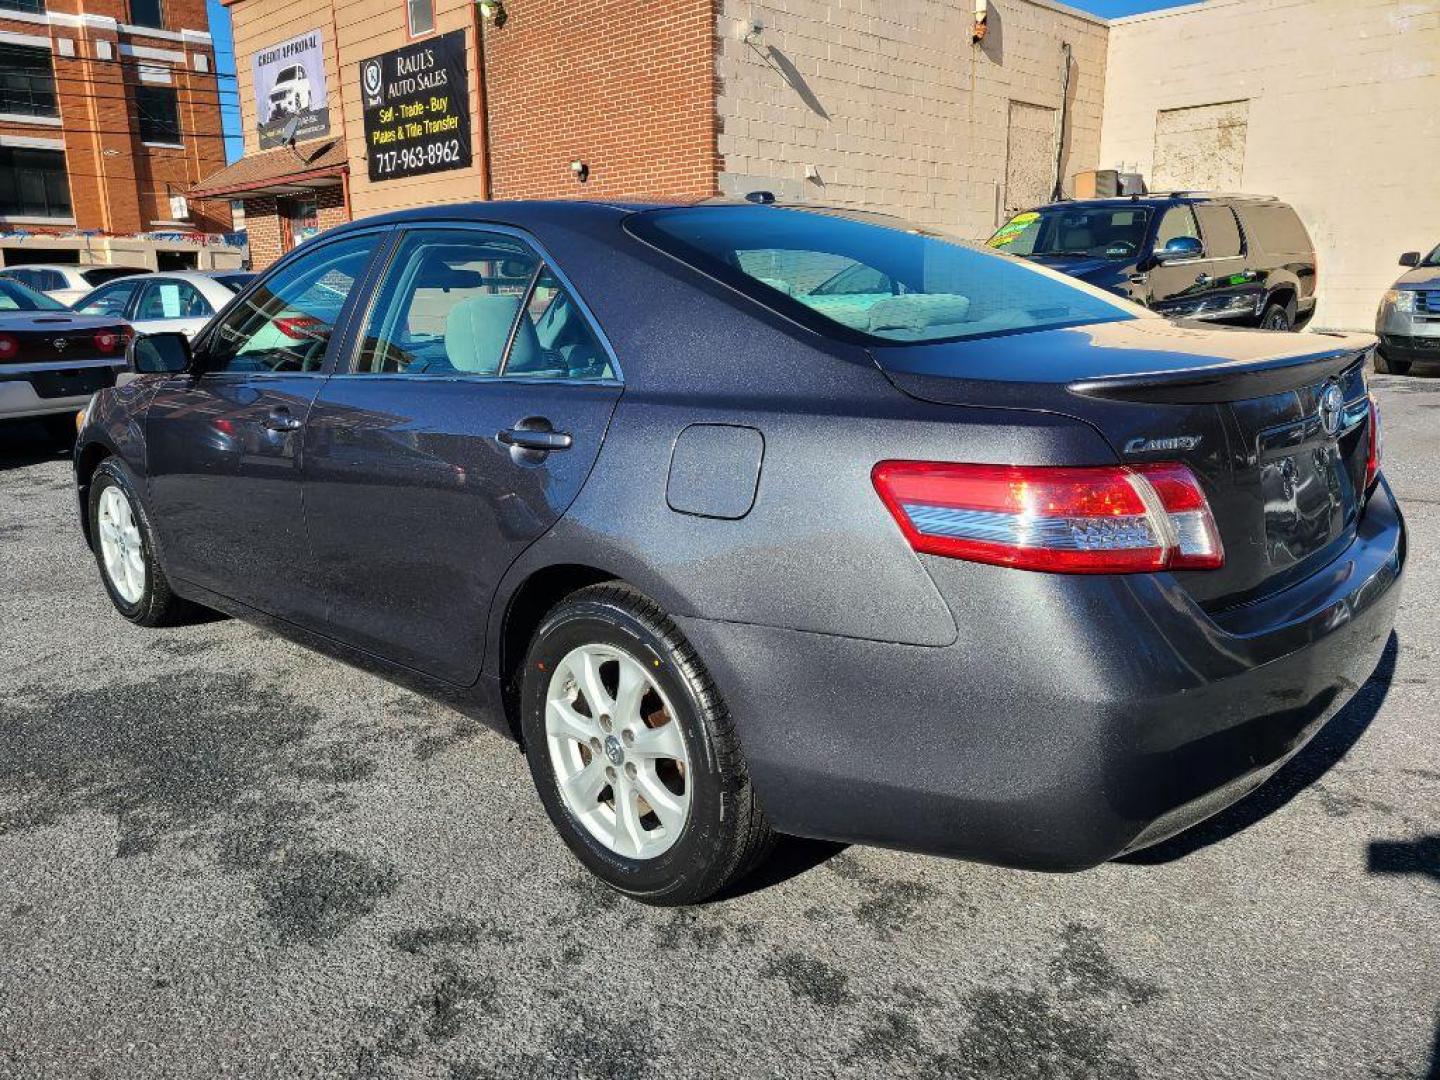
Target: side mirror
[[1410, 258], [158, 354], [1179, 249]]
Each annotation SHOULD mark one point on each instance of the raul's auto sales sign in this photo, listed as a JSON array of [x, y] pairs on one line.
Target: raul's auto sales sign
[[417, 108]]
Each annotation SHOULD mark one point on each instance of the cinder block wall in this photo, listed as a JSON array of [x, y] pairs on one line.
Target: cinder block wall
[[893, 106], [1343, 120]]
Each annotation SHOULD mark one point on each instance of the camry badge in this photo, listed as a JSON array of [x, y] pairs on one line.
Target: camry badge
[[1155, 446], [1332, 408]]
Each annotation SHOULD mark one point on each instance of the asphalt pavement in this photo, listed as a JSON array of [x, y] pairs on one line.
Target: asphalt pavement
[[222, 855]]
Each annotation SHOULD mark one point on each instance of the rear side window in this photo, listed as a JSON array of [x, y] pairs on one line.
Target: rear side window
[[1222, 232], [1276, 228], [857, 280]]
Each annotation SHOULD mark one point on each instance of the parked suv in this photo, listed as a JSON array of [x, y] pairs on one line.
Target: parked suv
[[291, 93], [1238, 259], [1408, 322]]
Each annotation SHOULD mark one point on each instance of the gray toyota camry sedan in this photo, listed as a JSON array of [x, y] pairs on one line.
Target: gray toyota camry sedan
[[746, 519]]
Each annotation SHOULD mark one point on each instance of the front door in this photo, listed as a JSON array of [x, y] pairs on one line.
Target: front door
[[1179, 288], [223, 442], [470, 416]]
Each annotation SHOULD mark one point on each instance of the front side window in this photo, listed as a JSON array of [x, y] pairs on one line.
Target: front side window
[[172, 299], [109, 300], [147, 13], [1178, 223], [927, 288], [158, 111], [33, 183], [474, 303], [422, 16], [285, 324], [27, 81]]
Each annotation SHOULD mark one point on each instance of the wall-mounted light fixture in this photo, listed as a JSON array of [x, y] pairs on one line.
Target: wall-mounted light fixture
[[580, 170], [493, 11], [982, 18]]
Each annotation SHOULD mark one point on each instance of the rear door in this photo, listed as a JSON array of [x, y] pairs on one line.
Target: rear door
[[468, 420], [224, 442], [1236, 289]]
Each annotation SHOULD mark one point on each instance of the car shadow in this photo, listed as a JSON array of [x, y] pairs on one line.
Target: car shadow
[[1326, 750], [23, 444], [793, 856]]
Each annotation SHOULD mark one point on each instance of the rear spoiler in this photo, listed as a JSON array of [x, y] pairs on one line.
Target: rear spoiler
[[1231, 381]]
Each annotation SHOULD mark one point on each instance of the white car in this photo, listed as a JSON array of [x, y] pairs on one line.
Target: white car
[[66, 283], [178, 302], [291, 93]]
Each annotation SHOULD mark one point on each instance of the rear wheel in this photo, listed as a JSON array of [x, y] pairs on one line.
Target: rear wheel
[[125, 551], [1388, 366], [1278, 317], [633, 752]]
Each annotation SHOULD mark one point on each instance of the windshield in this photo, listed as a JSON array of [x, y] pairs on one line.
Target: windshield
[[856, 280], [1433, 259], [102, 274], [1090, 232], [17, 297]]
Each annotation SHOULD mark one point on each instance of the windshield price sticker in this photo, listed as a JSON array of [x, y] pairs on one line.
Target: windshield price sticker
[[417, 109]]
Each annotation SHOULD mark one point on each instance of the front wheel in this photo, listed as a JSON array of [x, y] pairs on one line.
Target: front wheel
[[1278, 317], [633, 752], [125, 551]]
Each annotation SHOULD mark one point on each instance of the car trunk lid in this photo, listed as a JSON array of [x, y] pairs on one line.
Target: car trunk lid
[[1281, 456]]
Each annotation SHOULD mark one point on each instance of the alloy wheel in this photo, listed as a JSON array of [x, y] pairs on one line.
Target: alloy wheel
[[121, 547], [620, 759]]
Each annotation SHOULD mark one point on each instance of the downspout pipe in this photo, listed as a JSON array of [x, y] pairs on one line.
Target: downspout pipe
[[1065, 53]]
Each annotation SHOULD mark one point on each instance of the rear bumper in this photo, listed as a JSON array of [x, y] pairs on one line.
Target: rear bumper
[[1075, 719], [52, 388]]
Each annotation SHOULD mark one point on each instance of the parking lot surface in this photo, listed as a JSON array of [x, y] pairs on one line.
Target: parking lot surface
[[223, 855]]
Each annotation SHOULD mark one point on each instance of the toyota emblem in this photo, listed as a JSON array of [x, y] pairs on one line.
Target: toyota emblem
[[1332, 409]]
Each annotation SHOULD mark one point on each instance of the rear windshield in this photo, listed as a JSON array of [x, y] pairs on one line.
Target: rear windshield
[[17, 297], [233, 282], [102, 274], [1092, 232], [859, 280]]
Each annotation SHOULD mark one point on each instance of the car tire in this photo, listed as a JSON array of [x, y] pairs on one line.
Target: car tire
[[1278, 317], [662, 746], [1385, 365], [124, 546]]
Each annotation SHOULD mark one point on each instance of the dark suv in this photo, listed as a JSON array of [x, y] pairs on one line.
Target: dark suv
[[1237, 259]]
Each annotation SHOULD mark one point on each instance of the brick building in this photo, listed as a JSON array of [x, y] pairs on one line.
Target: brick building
[[107, 117], [876, 103]]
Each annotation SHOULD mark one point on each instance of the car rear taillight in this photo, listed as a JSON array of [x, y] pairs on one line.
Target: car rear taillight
[[1377, 445], [109, 339], [1111, 519], [9, 347], [300, 327]]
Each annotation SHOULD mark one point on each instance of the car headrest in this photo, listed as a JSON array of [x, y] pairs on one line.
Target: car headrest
[[476, 329], [917, 311]]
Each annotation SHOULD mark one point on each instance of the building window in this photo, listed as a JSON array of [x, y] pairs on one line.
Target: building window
[[300, 218], [27, 81], [422, 16], [147, 13], [33, 183], [35, 6], [159, 113]]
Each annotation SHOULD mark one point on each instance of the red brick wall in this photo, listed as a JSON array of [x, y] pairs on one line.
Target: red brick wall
[[627, 88], [267, 234]]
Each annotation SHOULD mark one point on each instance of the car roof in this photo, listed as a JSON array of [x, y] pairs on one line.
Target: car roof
[[1156, 198]]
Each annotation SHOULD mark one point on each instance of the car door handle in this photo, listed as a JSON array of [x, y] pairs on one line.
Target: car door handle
[[533, 439], [281, 420]]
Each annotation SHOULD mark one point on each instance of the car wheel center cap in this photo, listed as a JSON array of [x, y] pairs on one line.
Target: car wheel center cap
[[613, 750]]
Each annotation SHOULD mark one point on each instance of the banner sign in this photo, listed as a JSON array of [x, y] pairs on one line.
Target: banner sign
[[417, 108], [290, 85]]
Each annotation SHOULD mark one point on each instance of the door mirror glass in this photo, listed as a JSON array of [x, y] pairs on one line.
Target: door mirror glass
[[1410, 258], [158, 354], [1180, 248]]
